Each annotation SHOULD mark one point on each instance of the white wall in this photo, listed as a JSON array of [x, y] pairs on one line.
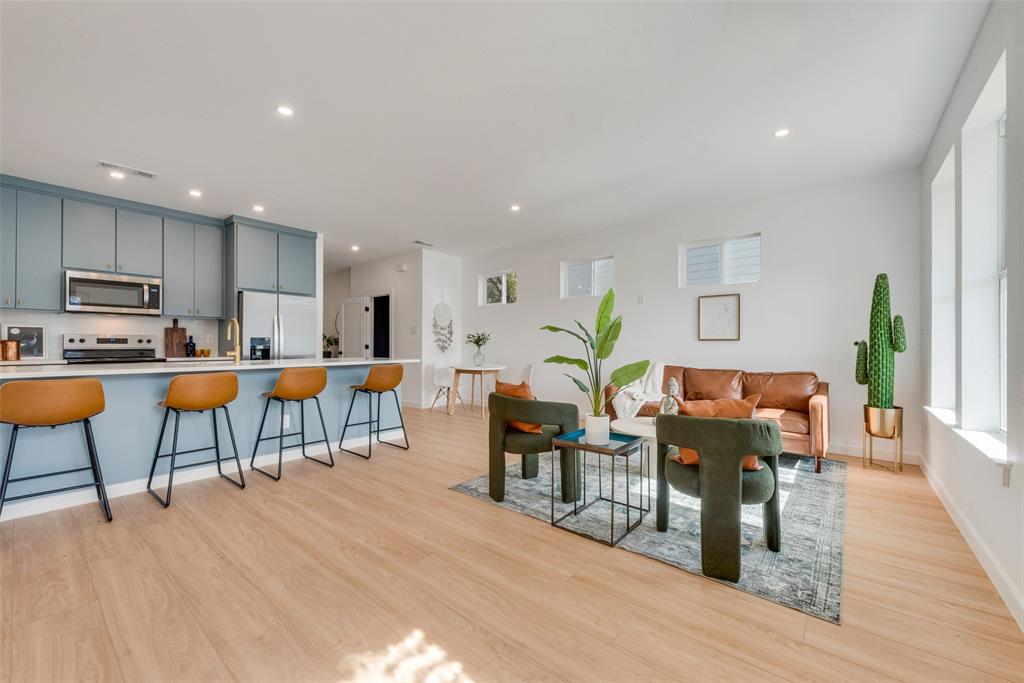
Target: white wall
[[337, 287], [822, 248], [204, 332], [990, 516], [442, 282], [406, 289]]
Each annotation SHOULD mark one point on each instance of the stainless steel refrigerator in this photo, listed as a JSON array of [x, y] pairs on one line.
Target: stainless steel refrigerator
[[288, 321]]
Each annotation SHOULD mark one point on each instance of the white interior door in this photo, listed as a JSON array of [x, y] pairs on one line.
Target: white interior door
[[355, 330]]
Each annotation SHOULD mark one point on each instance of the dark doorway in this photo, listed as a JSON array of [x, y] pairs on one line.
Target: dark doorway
[[382, 326]]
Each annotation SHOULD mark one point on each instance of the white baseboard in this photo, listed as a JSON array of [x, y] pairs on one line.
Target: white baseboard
[[883, 451], [59, 501], [996, 572]]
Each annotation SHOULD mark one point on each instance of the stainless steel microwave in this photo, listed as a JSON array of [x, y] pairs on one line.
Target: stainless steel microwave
[[88, 292]]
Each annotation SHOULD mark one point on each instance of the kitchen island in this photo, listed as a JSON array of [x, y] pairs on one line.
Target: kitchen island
[[126, 432]]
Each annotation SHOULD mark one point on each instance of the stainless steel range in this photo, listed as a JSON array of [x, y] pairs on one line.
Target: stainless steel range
[[105, 348]]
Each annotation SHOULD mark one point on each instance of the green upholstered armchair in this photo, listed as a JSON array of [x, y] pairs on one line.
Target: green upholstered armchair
[[554, 418], [720, 483]]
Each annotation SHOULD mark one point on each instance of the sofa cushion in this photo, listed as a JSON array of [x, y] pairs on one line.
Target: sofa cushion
[[708, 385], [791, 421], [521, 390], [785, 390], [743, 408], [671, 371]]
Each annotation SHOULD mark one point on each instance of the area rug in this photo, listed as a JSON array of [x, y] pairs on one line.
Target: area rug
[[807, 574]]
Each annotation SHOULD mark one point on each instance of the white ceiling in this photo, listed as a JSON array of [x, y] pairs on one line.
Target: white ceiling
[[426, 121]]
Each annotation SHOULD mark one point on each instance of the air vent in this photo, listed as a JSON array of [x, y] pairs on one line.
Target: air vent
[[127, 170], [422, 243]]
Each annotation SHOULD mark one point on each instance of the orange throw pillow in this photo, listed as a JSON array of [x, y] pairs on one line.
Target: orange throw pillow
[[518, 391], [737, 408]]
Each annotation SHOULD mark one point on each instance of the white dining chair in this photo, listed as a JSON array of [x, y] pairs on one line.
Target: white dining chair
[[527, 375], [444, 378]]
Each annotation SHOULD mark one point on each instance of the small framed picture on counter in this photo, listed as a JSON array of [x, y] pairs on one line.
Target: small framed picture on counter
[[31, 339]]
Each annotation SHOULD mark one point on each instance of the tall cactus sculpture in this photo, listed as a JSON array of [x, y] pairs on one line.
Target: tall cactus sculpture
[[875, 360]]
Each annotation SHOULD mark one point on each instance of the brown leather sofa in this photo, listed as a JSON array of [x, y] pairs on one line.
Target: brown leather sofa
[[796, 401]]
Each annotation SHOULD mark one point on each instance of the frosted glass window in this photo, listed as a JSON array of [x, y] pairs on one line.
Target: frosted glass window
[[592, 277]]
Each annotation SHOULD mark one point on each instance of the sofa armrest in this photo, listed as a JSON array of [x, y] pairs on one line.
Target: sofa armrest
[[818, 410]]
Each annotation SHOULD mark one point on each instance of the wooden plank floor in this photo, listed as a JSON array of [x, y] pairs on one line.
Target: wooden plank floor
[[375, 571]]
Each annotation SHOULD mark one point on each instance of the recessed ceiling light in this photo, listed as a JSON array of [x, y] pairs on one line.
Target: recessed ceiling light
[[285, 110], [782, 132], [355, 247], [117, 174], [514, 208], [257, 208], [196, 193]]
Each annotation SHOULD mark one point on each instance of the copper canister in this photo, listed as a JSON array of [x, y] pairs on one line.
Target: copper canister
[[10, 349]]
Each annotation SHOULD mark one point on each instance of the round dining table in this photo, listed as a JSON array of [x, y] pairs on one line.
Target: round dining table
[[473, 371]]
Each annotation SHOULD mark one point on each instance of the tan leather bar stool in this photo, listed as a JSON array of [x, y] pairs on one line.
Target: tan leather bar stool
[[196, 394], [300, 385], [52, 403], [380, 380]]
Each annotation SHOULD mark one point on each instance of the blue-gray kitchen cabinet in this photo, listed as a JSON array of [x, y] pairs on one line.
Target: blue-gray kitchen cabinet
[[179, 268], [296, 264], [8, 245], [38, 273], [139, 236], [90, 235], [209, 271], [256, 258]]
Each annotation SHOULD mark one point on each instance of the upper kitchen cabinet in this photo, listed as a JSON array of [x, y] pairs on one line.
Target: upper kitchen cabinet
[[8, 245], [179, 268], [90, 236], [296, 264], [193, 270], [256, 258], [139, 236], [38, 272], [209, 268]]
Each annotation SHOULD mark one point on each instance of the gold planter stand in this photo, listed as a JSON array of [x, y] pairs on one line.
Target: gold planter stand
[[883, 423]]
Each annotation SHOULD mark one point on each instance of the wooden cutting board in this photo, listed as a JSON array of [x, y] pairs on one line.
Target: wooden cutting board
[[174, 340]]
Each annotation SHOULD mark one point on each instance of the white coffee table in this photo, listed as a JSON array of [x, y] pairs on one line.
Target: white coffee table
[[635, 426]]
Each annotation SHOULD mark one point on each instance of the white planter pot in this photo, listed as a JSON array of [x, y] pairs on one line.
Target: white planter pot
[[598, 429]]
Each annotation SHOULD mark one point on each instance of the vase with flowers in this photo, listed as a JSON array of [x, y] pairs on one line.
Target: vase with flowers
[[479, 340]]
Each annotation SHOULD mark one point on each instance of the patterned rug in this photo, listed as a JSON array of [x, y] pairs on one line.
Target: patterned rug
[[807, 574]]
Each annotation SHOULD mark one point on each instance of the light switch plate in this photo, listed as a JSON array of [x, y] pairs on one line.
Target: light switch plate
[[641, 299]]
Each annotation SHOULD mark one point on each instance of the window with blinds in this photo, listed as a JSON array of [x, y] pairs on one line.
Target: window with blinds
[[727, 261], [592, 277]]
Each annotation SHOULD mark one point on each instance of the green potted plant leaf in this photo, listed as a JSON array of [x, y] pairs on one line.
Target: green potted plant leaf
[[598, 346]]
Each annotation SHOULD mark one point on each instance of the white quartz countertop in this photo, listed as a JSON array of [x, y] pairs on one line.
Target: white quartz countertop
[[164, 368]]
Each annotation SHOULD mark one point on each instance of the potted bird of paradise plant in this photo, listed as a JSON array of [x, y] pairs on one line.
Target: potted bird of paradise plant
[[598, 346]]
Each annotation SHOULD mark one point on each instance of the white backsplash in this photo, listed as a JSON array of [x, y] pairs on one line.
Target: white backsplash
[[204, 332]]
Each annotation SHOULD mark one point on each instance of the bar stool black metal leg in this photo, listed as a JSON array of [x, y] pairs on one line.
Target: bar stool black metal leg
[[216, 440], [216, 447], [259, 434], [165, 502], [401, 423], [302, 426], [280, 444], [156, 454], [234, 447], [327, 441], [368, 423], [101, 489], [7, 466]]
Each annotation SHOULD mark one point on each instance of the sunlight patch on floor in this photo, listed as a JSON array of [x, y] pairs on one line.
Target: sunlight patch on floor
[[413, 660]]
